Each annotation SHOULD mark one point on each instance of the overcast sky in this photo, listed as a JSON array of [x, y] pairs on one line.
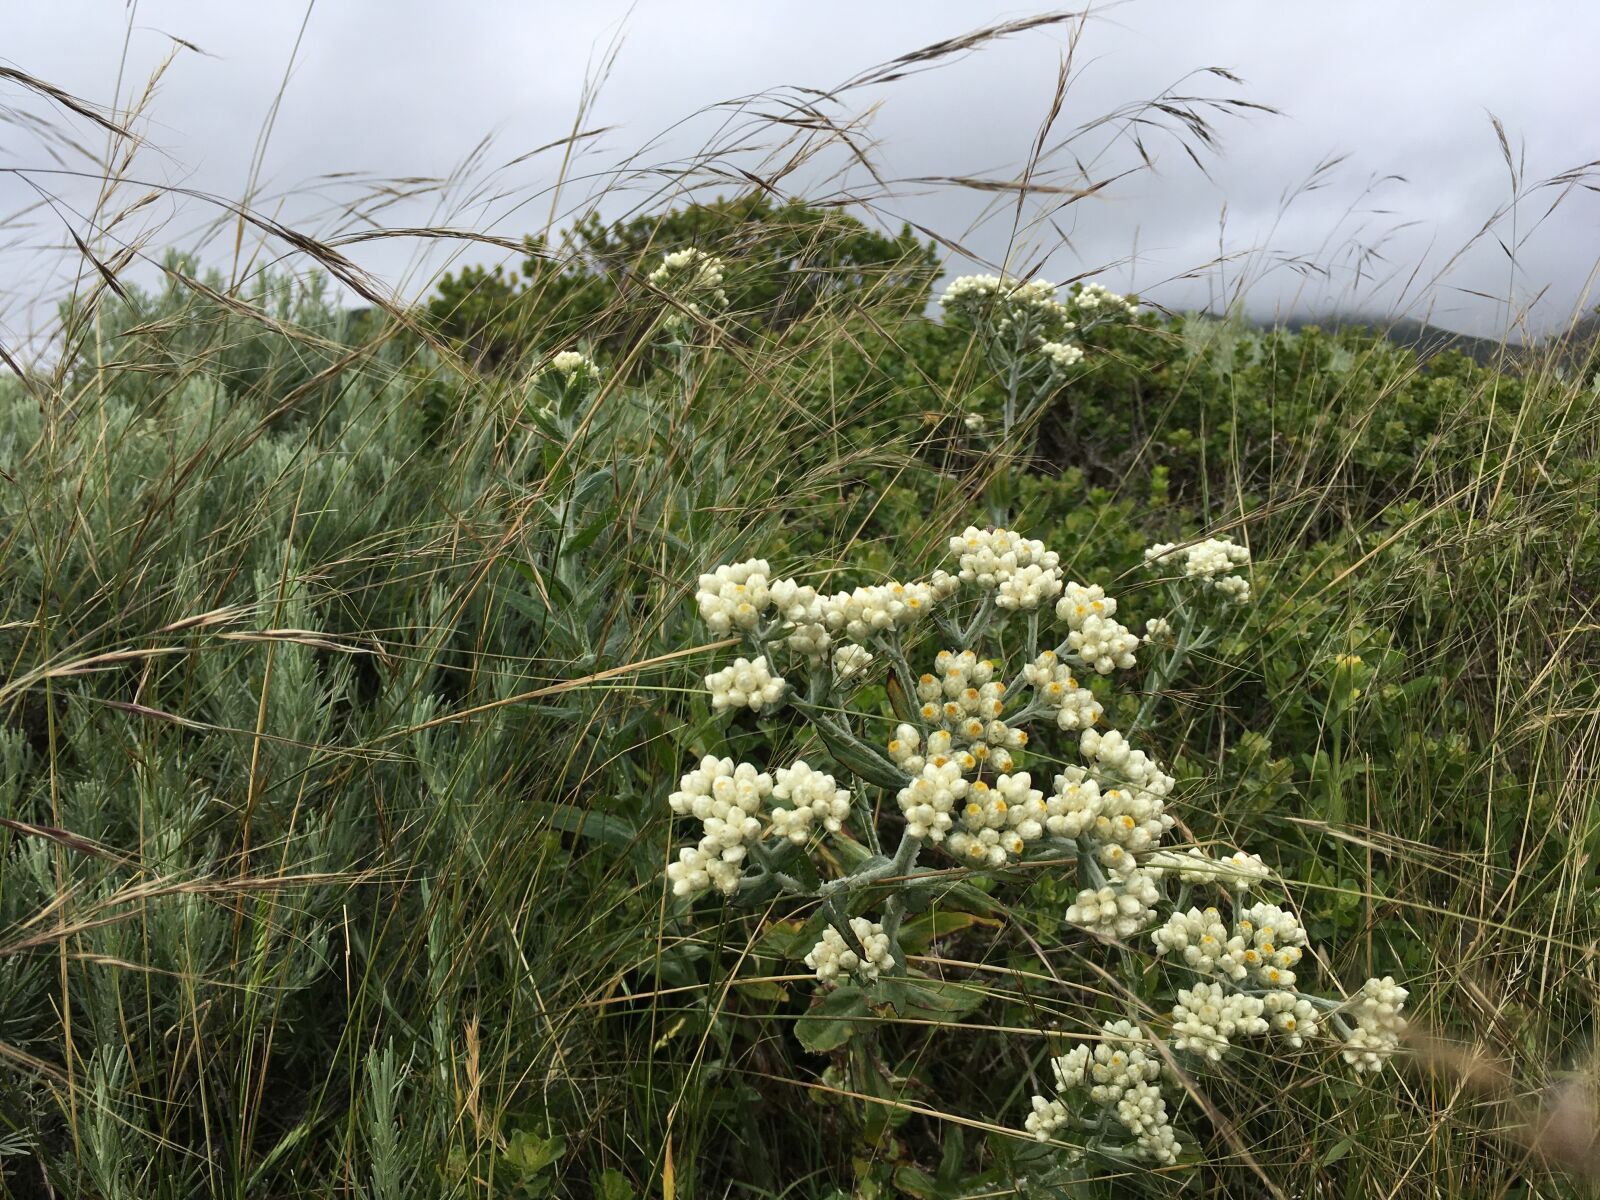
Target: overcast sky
[[407, 89]]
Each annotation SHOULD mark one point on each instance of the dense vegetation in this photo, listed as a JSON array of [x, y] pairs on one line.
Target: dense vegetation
[[350, 661]]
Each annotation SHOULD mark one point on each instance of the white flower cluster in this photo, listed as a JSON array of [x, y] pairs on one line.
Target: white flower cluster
[[1239, 870], [727, 802], [742, 595], [1263, 947], [928, 799], [1026, 311], [1061, 355], [1273, 941], [1121, 1072], [1157, 629], [1120, 908], [1094, 637], [1378, 1024], [746, 684], [1098, 299], [1207, 1017], [807, 798], [694, 278], [1057, 692], [964, 700], [1212, 563], [734, 595], [571, 365], [1293, 1017], [1020, 571], [1134, 814], [998, 822], [850, 660], [832, 956]]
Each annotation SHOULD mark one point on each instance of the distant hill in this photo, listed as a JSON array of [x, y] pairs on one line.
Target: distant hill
[[1425, 339]]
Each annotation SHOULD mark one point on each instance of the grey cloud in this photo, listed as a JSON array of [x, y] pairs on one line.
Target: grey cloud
[[407, 89]]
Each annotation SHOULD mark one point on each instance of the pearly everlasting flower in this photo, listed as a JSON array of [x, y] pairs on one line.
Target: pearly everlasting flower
[[694, 279], [879, 608], [734, 595], [1079, 602], [1143, 1112], [807, 798], [1061, 355], [1074, 805], [1119, 909], [1157, 629], [1057, 691], [927, 801], [1292, 1017], [1207, 1017], [1022, 574], [1047, 1117], [1239, 870], [998, 822], [973, 422], [726, 799], [746, 684], [1103, 644], [850, 660], [1132, 812], [1017, 313], [1200, 939], [1378, 1024], [1098, 299], [1120, 1072], [1273, 940], [570, 366], [833, 956], [1210, 563]]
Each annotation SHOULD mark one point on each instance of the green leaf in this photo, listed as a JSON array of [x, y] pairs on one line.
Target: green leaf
[[531, 1154], [602, 827], [833, 1022], [916, 935], [613, 1185]]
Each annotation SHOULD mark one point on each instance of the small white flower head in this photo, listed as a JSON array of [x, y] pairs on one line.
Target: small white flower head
[[1208, 1017], [1120, 1071], [1056, 690], [746, 684], [734, 596], [694, 279], [1020, 571], [1211, 563], [1047, 1117], [850, 660], [1376, 1011], [865, 612], [1074, 805], [727, 800], [1157, 630], [1061, 355], [833, 956], [1273, 941], [1096, 300], [805, 799], [928, 800], [1292, 1018], [1120, 909], [1201, 940], [1015, 314], [997, 823], [973, 422], [570, 367], [1240, 871]]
